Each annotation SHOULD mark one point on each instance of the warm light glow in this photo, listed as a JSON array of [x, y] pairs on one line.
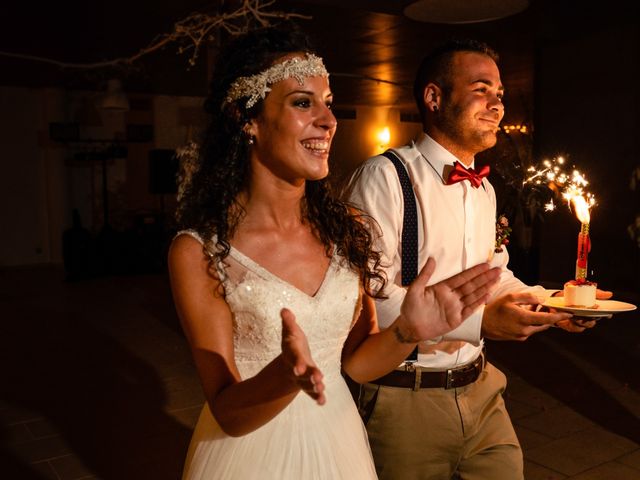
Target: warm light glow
[[514, 129], [581, 208], [384, 137]]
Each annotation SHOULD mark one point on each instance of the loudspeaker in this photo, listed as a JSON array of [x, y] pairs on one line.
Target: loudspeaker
[[163, 168]]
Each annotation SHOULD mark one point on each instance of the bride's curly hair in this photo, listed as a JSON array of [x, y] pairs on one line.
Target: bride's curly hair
[[220, 169]]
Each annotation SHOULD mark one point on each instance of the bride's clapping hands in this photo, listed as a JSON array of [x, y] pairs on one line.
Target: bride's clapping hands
[[297, 357], [431, 311]]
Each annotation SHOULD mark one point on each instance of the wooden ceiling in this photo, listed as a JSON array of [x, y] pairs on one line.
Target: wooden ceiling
[[365, 40], [361, 40]]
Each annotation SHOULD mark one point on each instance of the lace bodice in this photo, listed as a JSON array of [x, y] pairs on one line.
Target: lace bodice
[[256, 297]]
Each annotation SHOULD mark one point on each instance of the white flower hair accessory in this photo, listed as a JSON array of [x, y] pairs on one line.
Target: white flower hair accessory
[[256, 86]]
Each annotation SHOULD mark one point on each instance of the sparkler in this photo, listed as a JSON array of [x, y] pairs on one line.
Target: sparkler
[[584, 242], [582, 201], [573, 189]]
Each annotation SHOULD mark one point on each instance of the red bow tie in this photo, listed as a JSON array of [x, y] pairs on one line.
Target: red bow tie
[[460, 173]]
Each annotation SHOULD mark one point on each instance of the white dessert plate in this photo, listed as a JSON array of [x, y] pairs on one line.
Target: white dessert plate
[[605, 307]]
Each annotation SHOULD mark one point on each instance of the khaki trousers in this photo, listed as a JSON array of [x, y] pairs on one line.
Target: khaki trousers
[[432, 433]]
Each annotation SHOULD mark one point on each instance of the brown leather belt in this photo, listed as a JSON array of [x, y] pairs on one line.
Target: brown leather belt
[[416, 378]]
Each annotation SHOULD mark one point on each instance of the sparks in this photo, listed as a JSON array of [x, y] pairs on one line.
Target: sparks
[[551, 173], [549, 206]]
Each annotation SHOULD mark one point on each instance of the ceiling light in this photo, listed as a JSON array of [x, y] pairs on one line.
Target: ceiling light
[[115, 99], [463, 11]]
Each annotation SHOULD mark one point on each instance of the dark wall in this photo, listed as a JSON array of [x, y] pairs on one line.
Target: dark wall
[[587, 103]]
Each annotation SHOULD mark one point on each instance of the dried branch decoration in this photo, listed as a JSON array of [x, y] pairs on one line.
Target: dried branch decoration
[[191, 33]]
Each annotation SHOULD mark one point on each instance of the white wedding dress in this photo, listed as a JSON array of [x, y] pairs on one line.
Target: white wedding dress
[[305, 441]]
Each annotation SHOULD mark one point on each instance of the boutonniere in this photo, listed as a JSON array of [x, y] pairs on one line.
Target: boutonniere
[[502, 233]]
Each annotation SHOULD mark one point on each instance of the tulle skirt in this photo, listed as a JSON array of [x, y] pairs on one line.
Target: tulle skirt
[[304, 442]]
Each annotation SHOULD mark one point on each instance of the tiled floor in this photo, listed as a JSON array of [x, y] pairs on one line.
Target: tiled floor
[[97, 383]]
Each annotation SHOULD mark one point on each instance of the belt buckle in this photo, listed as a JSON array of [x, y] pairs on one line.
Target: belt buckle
[[449, 384], [410, 366]]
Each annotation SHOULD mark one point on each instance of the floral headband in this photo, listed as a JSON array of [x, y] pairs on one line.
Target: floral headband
[[256, 86]]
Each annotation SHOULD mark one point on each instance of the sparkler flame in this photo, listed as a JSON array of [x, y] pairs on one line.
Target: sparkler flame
[[581, 208], [576, 195]]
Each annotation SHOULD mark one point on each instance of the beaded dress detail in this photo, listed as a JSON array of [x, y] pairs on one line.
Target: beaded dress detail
[[305, 441]]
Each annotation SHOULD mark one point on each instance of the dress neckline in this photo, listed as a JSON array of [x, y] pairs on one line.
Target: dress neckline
[[251, 264]]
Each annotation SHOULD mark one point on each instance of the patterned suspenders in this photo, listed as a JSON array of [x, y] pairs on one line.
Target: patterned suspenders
[[409, 229]]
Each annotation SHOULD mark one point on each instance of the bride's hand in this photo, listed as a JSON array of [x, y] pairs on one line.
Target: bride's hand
[[297, 357], [429, 312]]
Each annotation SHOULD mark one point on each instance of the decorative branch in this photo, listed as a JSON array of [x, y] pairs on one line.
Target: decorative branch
[[191, 33]]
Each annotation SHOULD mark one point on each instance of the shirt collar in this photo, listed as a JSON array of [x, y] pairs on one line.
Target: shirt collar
[[437, 155]]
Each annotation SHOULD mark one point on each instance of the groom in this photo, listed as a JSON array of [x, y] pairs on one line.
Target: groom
[[443, 412]]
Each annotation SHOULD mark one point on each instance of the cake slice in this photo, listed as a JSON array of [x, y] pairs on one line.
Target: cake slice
[[580, 294]]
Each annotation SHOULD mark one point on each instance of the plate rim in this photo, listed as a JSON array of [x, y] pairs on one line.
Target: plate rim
[[593, 312]]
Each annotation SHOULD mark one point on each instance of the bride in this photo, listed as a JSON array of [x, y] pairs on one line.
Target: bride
[[273, 278]]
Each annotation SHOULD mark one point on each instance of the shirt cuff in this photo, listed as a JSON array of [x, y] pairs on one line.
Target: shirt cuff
[[469, 330]]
